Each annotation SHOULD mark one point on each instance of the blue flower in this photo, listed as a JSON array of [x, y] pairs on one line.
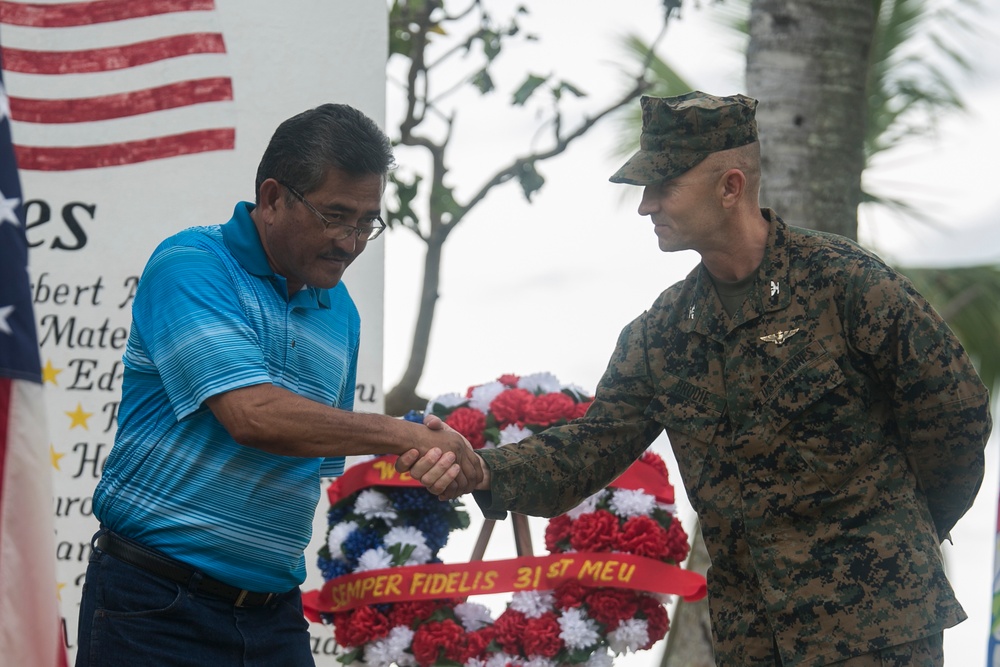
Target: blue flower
[[360, 541], [332, 567]]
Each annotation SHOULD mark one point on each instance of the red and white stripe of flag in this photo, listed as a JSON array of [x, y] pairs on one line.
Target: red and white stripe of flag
[[113, 82]]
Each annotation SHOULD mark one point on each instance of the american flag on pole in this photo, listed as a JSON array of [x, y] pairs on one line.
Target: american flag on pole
[[101, 83], [30, 622]]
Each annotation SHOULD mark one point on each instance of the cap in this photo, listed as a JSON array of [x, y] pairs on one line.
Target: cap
[[679, 132]]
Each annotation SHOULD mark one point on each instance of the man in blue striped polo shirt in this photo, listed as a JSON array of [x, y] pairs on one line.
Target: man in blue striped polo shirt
[[237, 397]]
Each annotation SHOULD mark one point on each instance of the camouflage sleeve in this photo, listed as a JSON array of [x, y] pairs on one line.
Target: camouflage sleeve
[[940, 404], [555, 470]]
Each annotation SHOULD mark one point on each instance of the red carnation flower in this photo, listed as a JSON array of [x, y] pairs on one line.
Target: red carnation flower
[[510, 405], [595, 531], [541, 636], [677, 542], [550, 408], [642, 536], [509, 379], [557, 533], [406, 613], [656, 619], [581, 409], [611, 606], [433, 637], [476, 643], [509, 628], [570, 594], [360, 626], [470, 423]]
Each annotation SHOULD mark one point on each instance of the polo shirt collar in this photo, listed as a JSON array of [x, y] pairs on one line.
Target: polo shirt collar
[[243, 241]]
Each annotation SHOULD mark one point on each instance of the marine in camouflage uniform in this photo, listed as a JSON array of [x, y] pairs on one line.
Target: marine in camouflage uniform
[[829, 431]]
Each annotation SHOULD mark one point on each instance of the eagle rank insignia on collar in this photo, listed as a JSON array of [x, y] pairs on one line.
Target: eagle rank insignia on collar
[[780, 337]]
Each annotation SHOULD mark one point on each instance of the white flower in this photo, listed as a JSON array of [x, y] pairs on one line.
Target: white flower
[[513, 433], [669, 508], [600, 659], [372, 504], [587, 506], [544, 383], [578, 392], [374, 559], [631, 635], [484, 394], [577, 631], [474, 662], [539, 661], [391, 649], [503, 660], [336, 538], [446, 401], [628, 503], [473, 615], [410, 536], [533, 603]]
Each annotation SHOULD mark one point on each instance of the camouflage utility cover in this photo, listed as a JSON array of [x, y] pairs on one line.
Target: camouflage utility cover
[[829, 436], [679, 132]]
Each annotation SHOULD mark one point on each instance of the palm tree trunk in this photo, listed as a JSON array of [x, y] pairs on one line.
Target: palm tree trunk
[[807, 63]]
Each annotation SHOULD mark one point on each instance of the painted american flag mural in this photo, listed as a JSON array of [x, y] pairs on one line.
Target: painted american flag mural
[[131, 120], [90, 62]]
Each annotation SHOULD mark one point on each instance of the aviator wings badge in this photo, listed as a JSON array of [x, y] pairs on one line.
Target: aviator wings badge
[[780, 337]]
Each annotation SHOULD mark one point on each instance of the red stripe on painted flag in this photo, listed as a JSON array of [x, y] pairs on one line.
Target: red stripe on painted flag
[[59, 158], [86, 109], [111, 58], [68, 14]]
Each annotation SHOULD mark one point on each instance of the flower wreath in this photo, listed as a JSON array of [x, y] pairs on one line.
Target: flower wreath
[[382, 527]]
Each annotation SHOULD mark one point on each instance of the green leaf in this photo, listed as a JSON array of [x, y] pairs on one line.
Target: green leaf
[[459, 520], [483, 81], [443, 202], [491, 44], [566, 86], [529, 178], [527, 88], [406, 192], [351, 657], [401, 553]]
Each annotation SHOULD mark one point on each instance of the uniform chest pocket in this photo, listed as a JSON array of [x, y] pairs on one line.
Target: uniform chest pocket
[[806, 379], [806, 406]]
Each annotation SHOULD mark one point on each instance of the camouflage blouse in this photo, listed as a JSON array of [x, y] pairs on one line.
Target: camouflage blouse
[[829, 435]]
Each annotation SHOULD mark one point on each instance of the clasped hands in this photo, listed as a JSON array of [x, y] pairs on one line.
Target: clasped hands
[[445, 463]]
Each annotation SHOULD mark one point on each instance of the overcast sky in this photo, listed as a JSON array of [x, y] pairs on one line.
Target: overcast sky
[[548, 286]]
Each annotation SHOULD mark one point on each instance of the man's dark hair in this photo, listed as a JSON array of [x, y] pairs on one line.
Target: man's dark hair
[[306, 145]]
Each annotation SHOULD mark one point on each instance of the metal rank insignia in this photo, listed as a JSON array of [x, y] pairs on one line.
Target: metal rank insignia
[[779, 337]]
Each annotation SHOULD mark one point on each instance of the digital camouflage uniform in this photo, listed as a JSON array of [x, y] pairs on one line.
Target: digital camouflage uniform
[[829, 435]]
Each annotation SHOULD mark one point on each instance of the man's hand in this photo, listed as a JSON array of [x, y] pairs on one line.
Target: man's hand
[[446, 474]]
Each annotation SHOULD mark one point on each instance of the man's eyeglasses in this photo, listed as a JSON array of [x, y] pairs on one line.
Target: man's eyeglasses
[[339, 230]]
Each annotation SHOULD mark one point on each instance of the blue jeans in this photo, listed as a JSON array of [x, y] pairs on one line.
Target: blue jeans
[[132, 618]]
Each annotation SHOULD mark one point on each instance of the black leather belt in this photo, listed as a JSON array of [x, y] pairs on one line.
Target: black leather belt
[[158, 564]]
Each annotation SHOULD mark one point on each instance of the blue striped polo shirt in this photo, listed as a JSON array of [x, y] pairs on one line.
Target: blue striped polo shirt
[[210, 316]]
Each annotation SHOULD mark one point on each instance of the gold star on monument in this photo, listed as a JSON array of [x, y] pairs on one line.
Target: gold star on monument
[[59, 587], [55, 456], [79, 417], [50, 372]]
